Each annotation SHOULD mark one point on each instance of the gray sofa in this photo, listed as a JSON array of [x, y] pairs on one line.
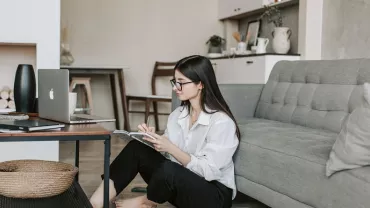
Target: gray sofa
[[288, 128]]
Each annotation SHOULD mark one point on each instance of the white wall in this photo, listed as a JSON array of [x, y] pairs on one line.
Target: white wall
[[346, 29], [136, 33], [32, 22], [10, 57], [35, 22], [310, 29]]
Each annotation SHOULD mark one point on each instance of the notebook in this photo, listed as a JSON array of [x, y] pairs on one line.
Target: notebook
[[29, 125], [139, 136]]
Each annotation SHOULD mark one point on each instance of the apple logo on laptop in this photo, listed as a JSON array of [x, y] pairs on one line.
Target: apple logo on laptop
[[51, 94]]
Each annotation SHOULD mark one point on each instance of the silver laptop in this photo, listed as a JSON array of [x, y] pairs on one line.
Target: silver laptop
[[53, 98]]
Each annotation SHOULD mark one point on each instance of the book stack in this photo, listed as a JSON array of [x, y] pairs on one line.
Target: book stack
[[6, 100], [29, 125]]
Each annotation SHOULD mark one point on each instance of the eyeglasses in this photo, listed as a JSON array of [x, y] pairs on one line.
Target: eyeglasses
[[178, 85]]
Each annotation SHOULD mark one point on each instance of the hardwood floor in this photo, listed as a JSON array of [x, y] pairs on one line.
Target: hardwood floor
[[91, 167]]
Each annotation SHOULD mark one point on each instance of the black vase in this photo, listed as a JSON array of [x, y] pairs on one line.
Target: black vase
[[25, 88]]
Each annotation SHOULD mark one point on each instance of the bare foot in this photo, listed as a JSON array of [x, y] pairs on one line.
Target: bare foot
[[97, 198], [137, 202], [148, 206]]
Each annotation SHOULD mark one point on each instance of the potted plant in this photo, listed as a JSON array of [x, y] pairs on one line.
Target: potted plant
[[281, 34], [215, 44]]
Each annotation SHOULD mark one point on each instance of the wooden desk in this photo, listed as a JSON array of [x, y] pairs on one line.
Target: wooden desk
[[70, 133], [116, 77]]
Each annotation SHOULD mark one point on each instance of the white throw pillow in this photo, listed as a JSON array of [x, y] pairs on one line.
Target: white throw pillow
[[367, 92], [352, 147]]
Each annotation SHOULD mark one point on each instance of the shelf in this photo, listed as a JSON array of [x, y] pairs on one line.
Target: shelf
[[74, 197], [17, 44], [280, 4], [284, 3], [6, 110]]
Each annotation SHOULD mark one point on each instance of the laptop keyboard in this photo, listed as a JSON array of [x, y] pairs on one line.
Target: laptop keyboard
[[76, 118]]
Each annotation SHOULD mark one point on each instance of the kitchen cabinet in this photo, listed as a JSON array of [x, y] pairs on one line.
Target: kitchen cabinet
[[253, 69], [231, 8]]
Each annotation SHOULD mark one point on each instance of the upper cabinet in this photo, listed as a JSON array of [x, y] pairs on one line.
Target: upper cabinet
[[238, 8], [230, 8]]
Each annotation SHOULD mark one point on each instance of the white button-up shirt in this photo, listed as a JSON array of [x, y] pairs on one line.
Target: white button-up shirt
[[211, 143]]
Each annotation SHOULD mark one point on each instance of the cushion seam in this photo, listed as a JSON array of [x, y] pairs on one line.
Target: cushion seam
[[283, 153], [324, 165]]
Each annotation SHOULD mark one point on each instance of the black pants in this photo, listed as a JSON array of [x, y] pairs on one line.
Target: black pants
[[167, 180]]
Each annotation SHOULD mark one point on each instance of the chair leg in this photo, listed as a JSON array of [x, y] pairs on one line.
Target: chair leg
[[147, 110], [82, 93], [156, 120], [72, 85], [128, 113], [89, 96]]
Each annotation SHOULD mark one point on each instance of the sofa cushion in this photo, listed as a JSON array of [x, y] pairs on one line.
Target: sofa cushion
[[317, 94], [290, 159]]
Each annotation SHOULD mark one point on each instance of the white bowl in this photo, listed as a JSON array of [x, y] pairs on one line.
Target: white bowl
[[214, 55]]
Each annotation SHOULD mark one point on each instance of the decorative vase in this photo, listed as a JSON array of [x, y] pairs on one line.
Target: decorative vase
[[281, 39], [25, 88], [66, 57]]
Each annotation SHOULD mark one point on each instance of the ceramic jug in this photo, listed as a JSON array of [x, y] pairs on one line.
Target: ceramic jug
[[281, 41], [262, 44]]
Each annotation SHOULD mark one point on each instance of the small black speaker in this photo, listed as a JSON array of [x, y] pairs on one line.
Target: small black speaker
[[25, 88]]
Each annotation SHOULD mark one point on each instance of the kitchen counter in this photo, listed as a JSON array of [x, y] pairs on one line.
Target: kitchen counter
[[252, 55]]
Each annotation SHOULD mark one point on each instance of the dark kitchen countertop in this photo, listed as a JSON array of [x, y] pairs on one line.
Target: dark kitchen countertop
[[252, 55]]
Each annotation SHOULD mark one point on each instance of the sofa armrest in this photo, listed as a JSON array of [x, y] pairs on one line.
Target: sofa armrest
[[242, 98]]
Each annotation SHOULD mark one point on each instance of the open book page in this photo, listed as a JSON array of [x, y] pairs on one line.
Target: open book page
[[139, 136]]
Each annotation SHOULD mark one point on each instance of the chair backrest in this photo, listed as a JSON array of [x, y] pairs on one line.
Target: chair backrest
[[317, 94], [162, 69]]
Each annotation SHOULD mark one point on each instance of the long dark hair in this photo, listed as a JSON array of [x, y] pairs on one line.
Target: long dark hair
[[199, 69]]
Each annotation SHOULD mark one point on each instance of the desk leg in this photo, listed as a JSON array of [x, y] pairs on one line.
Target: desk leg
[[106, 171], [121, 84], [114, 99], [77, 157]]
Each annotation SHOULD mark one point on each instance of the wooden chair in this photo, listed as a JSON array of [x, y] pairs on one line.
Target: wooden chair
[[161, 69]]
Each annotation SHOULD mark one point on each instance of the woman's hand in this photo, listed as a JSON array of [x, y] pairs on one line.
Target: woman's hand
[[144, 128], [161, 143]]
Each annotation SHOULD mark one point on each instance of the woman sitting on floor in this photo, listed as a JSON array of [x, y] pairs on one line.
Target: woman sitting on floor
[[201, 138]]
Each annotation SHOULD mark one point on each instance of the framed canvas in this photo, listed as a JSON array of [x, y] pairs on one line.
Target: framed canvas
[[253, 29]]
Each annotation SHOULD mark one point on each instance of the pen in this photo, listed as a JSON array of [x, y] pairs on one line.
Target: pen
[[147, 123]]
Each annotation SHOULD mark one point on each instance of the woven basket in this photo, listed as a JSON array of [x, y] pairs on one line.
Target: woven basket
[[35, 178]]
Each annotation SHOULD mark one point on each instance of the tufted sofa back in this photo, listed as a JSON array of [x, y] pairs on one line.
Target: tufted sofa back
[[317, 94]]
